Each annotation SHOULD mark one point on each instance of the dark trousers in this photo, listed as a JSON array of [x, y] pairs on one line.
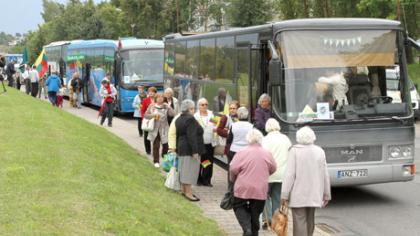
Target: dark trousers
[[139, 121], [10, 80], [147, 144], [34, 89], [52, 96], [247, 212], [206, 173], [230, 155], [108, 113], [27, 83], [18, 84], [156, 147]]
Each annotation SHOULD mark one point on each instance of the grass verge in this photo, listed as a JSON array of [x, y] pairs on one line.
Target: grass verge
[[60, 175]]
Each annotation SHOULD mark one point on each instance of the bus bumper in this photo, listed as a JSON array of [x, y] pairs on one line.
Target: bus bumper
[[371, 174]]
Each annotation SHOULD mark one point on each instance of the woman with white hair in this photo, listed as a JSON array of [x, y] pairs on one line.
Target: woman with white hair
[[172, 102], [205, 118], [237, 140], [263, 112], [306, 183], [278, 145], [189, 147], [250, 170]]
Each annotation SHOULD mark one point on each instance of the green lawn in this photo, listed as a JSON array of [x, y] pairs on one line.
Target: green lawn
[[60, 175]]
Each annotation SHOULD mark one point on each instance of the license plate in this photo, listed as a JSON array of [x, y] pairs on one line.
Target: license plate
[[341, 174]]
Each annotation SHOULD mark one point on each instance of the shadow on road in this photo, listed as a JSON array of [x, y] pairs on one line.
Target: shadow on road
[[359, 195]]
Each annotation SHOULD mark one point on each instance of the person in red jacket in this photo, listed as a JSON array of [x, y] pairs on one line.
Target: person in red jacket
[[144, 105]]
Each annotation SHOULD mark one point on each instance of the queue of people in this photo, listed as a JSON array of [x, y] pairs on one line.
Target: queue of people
[[265, 169]]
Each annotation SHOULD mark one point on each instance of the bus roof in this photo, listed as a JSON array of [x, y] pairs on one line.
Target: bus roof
[[57, 43], [95, 43], [134, 43], [337, 23], [301, 24]]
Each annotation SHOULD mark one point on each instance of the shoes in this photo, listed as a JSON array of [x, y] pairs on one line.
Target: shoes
[[148, 153], [208, 185], [157, 165], [194, 199], [109, 125]]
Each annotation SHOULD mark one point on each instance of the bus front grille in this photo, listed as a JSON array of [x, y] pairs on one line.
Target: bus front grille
[[351, 154]]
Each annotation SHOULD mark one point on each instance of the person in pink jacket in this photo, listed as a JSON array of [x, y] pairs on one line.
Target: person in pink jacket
[[249, 170], [306, 183]]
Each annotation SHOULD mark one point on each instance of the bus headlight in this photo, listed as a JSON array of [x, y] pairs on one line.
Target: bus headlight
[[400, 152]]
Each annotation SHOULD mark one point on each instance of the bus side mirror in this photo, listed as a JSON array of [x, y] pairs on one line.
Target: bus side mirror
[[275, 71]]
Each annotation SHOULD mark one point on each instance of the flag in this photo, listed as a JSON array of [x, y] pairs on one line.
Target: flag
[[24, 56], [41, 63], [205, 163], [24, 60]]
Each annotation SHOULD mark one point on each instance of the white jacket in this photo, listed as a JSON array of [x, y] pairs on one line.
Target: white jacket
[[103, 93], [278, 145], [208, 126]]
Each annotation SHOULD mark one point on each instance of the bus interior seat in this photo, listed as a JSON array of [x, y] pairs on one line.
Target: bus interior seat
[[359, 90]]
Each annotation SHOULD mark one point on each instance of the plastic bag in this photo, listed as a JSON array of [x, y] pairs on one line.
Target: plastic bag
[[169, 160], [172, 180]]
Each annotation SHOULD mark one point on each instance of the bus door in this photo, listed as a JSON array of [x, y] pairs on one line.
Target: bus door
[[86, 82], [247, 73]]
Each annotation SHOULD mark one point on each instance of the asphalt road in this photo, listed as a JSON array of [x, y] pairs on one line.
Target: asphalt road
[[376, 210]]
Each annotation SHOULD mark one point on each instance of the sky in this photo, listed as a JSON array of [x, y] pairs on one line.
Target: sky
[[20, 16]]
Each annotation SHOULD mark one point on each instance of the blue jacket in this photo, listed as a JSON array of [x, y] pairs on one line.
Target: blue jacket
[[53, 83]]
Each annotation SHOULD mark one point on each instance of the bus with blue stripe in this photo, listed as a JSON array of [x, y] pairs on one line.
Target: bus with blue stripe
[[131, 62]]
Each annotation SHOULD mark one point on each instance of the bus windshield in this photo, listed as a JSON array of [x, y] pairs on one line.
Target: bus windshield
[[142, 65], [339, 75]]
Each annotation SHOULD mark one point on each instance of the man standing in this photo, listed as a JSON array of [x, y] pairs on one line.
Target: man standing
[[34, 77], [26, 80], [53, 83], [42, 86], [10, 71]]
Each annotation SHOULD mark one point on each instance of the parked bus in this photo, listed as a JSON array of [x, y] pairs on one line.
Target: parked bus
[[328, 74], [135, 62], [55, 53]]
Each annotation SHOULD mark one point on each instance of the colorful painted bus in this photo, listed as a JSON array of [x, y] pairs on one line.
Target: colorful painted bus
[[130, 61]]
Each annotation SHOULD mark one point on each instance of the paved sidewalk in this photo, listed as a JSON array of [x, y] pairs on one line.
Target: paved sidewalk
[[126, 129]]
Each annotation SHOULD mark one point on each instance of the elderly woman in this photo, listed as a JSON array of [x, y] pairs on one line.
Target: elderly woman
[[226, 122], [249, 170], [263, 112], [278, 145], [159, 111], [205, 118], [189, 147], [306, 183], [108, 94], [237, 137], [172, 102]]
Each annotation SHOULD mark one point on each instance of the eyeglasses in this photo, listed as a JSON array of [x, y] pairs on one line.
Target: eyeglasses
[[232, 108], [204, 104]]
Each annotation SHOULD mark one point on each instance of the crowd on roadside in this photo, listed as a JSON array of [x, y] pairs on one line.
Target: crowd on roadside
[[265, 170]]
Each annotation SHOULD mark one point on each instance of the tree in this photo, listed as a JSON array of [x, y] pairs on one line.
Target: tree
[[249, 12]]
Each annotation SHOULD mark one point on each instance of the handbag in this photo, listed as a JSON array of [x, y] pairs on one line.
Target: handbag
[[148, 124], [227, 201], [172, 180], [219, 149], [280, 220]]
